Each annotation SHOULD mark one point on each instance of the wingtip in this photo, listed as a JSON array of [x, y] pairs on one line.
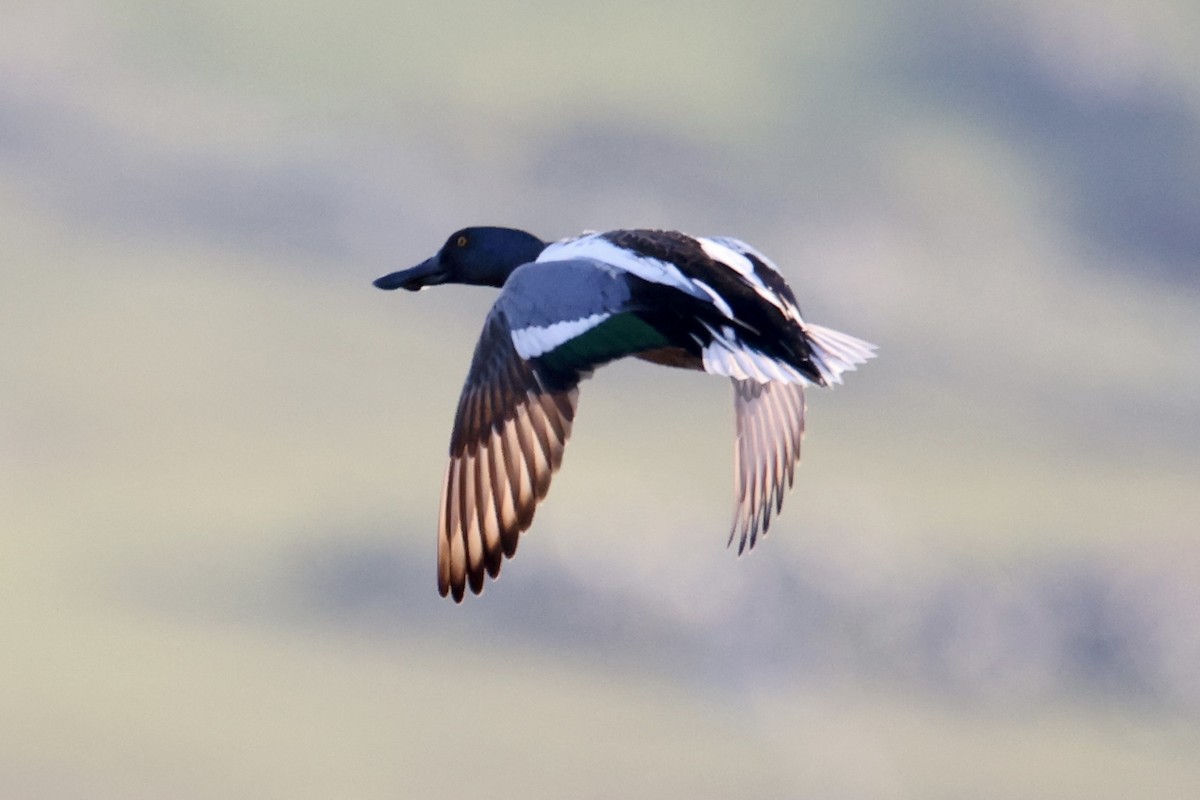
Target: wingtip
[[476, 580], [456, 591]]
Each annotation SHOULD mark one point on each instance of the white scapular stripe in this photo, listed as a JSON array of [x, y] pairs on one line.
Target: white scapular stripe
[[722, 253], [743, 266], [718, 250], [730, 252], [535, 340], [717, 300], [739, 246], [596, 247]]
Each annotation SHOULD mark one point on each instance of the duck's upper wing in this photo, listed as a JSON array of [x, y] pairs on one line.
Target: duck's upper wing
[[552, 324], [508, 439]]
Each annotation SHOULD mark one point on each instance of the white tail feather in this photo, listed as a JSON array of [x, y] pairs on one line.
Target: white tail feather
[[834, 352]]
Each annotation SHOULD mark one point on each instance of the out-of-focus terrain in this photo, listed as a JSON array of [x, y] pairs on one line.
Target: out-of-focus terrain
[[221, 449]]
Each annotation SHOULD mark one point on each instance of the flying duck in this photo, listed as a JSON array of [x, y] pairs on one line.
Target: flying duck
[[708, 303]]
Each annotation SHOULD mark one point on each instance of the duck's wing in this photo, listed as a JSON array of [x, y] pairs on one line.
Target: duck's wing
[[746, 325], [552, 324], [508, 439], [770, 425]]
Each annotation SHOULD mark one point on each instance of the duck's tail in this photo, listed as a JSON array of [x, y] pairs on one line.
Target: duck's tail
[[834, 352]]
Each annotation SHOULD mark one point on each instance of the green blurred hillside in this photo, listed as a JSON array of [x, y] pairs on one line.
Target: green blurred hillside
[[220, 448]]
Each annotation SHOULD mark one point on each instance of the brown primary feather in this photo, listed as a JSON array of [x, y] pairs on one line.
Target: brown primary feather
[[509, 437]]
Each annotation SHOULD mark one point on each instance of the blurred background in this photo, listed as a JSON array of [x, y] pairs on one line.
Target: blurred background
[[221, 449]]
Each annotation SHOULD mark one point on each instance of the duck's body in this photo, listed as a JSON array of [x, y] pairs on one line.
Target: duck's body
[[567, 307]]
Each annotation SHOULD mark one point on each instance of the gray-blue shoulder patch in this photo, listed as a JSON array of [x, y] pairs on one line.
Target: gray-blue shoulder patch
[[547, 292]]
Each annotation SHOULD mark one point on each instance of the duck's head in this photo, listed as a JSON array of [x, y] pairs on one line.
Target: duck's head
[[481, 256]]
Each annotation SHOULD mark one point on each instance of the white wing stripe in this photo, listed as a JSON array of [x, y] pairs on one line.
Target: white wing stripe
[[533, 341]]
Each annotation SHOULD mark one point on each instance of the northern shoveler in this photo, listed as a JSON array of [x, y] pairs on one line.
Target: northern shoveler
[[708, 303]]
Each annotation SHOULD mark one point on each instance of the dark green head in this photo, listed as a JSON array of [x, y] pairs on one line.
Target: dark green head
[[483, 256]]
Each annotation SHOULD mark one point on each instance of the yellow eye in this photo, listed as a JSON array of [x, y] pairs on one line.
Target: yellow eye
[[462, 241]]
